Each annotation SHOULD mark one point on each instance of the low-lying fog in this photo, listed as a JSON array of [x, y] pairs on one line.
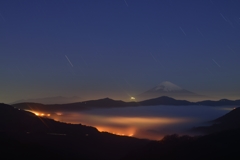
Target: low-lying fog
[[152, 122]]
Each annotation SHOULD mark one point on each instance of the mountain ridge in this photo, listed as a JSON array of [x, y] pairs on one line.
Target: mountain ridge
[[231, 120], [24, 133], [110, 103], [50, 100]]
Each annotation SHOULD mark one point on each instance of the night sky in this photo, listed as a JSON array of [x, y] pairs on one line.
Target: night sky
[[118, 48]]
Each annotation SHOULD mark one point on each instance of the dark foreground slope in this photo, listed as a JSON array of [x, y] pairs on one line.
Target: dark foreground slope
[[228, 121], [221, 141], [24, 135], [221, 145]]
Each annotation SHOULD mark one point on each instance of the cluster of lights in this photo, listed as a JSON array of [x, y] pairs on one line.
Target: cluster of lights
[[121, 134], [59, 113], [116, 133], [133, 98], [39, 114]]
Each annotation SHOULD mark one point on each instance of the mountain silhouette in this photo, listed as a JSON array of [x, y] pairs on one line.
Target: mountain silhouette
[[171, 90], [51, 100], [220, 145], [85, 105], [228, 121], [25, 134], [221, 102], [110, 103], [164, 100]]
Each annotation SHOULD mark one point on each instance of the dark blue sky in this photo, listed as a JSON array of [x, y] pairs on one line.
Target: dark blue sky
[[99, 48]]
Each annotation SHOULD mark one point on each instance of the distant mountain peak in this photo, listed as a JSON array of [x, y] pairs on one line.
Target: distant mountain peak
[[167, 86], [169, 89], [104, 99]]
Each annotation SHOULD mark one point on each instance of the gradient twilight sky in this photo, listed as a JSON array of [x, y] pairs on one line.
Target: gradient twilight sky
[[118, 48]]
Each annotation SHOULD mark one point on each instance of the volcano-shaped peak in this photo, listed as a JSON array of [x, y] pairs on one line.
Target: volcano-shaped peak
[[170, 90], [167, 86]]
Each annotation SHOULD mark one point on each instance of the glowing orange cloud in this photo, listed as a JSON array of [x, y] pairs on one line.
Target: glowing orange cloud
[[118, 131]]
